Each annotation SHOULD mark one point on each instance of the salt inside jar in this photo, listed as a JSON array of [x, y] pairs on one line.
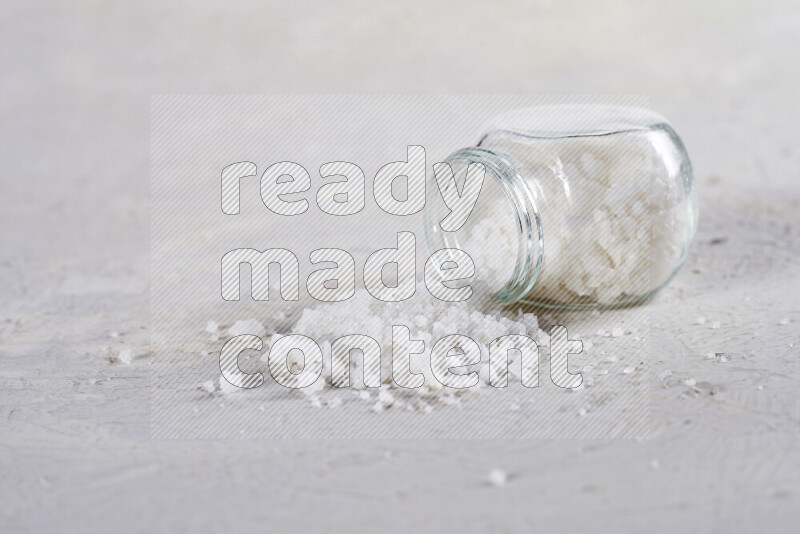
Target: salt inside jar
[[582, 206]]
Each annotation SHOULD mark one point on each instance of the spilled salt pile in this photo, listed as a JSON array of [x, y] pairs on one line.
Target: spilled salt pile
[[427, 319]]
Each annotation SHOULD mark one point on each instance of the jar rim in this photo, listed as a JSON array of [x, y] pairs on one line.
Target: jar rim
[[530, 250], [574, 120]]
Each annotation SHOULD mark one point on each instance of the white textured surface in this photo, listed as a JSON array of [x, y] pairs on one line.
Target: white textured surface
[[76, 83]]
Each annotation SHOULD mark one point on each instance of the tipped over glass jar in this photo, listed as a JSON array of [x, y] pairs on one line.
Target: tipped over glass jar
[[582, 206]]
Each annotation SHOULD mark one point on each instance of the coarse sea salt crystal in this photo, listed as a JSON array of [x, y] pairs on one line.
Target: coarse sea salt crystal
[[498, 477], [125, 356], [428, 319], [226, 388], [655, 464], [385, 397]]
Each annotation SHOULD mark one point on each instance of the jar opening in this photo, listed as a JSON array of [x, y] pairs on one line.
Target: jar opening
[[508, 253]]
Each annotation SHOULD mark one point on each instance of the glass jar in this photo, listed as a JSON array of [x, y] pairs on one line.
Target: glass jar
[[582, 206]]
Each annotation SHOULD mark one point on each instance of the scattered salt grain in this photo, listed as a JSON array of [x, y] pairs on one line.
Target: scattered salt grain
[[334, 403], [700, 320], [314, 388], [212, 327], [690, 382], [514, 407], [628, 370], [208, 387], [715, 325], [784, 321], [125, 357], [226, 388], [655, 464], [385, 397], [497, 477], [377, 407], [114, 334], [364, 395], [617, 332]]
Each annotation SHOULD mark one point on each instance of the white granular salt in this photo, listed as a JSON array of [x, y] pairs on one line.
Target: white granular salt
[[366, 315], [385, 397], [498, 477], [226, 388], [613, 218], [125, 357]]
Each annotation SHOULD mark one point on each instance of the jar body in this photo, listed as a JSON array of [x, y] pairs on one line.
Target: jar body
[[581, 206]]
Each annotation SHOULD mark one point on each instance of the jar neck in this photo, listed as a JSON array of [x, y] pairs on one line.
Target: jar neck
[[522, 202]]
